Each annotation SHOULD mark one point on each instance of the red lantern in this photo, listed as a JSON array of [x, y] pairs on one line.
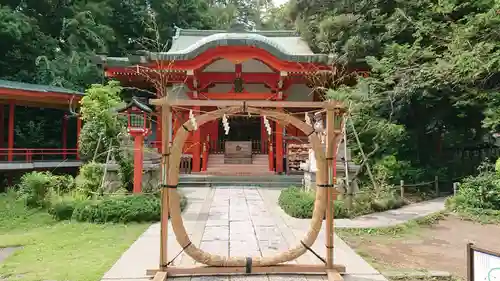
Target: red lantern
[[138, 126]]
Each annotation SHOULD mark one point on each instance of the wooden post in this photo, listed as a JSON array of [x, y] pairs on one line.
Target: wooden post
[[470, 262], [78, 128], [271, 155], [138, 162], [2, 125], [331, 165], [197, 144], [204, 163], [10, 153], [455, 188], [263, 136], [65, 134], [158, 131], [166, 115], [402, 188], [278, 129], [436, 185]]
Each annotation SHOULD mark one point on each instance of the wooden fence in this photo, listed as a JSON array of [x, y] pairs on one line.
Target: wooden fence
[[430, 186]]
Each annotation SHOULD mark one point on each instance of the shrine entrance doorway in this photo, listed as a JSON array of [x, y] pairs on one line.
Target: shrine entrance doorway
[[242, 128]]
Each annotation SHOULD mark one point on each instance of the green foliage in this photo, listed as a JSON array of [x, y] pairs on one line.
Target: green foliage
[[35, 188], [121, 209], [63, 183], [89, 179], [61, 208], [434, 69], [482, 191], [389, 169], [296, 203], [102, 126], [478, 197], [300, 204]]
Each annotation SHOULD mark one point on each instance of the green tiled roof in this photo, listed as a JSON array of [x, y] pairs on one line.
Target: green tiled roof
[[188, 44], [6, 84]]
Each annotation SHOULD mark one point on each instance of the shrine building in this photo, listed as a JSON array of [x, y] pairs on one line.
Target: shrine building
[[229, 65]]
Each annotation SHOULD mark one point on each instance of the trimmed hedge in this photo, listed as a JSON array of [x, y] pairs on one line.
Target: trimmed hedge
[[300, 204], [117, 209]]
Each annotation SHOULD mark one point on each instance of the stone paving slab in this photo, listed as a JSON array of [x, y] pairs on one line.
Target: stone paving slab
[[235, 222]]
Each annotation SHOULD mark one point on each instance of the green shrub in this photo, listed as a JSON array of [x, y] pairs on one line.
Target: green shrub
[[35, 188], [482, 191], [300, 204], [62, 208], [121, 209], [89, 178], [387, 202], [64, 183]]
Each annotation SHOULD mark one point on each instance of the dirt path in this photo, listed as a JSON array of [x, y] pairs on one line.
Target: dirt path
[[440, 247]]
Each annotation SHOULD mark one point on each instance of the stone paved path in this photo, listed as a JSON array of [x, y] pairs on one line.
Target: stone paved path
[[382, 219], [235, 221]]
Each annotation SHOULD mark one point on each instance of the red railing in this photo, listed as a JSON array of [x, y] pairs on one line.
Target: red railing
[[37, 154], [218, 146]]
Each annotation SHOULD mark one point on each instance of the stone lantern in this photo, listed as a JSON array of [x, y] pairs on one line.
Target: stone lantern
[[138, 126]]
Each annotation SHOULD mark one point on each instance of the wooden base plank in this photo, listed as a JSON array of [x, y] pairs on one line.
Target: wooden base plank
[[160, 276], [275, 269], [334, 275]]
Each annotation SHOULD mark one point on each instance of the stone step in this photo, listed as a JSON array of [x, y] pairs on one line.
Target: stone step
[[265, 180], [200, 176], [279, 185], [253, 174], [238, 160]]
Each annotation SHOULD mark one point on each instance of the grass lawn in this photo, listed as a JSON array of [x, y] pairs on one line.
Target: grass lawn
[[60, 251]]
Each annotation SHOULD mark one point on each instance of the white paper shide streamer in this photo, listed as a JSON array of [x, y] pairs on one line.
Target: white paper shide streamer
[[193, 120], [225, 124], [307, 119], [267, 125]]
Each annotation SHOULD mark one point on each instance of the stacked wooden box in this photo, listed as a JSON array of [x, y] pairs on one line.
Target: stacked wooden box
[[296, 154]]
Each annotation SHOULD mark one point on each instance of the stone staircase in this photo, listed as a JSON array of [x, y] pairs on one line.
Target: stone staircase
[[220, 173], [221, 165], [268, 181]]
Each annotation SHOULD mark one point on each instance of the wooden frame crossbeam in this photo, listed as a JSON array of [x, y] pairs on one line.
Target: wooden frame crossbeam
[[307, 269], [248, 103]]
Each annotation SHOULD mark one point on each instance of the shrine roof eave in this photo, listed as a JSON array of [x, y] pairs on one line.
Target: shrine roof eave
[[133, 102], [218, 40], [13, 85], [150, 57]]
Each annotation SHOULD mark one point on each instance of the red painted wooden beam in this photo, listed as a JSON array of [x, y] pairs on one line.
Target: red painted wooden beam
[[65, 134], [236, 96], [12, 108], [2, 124]]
